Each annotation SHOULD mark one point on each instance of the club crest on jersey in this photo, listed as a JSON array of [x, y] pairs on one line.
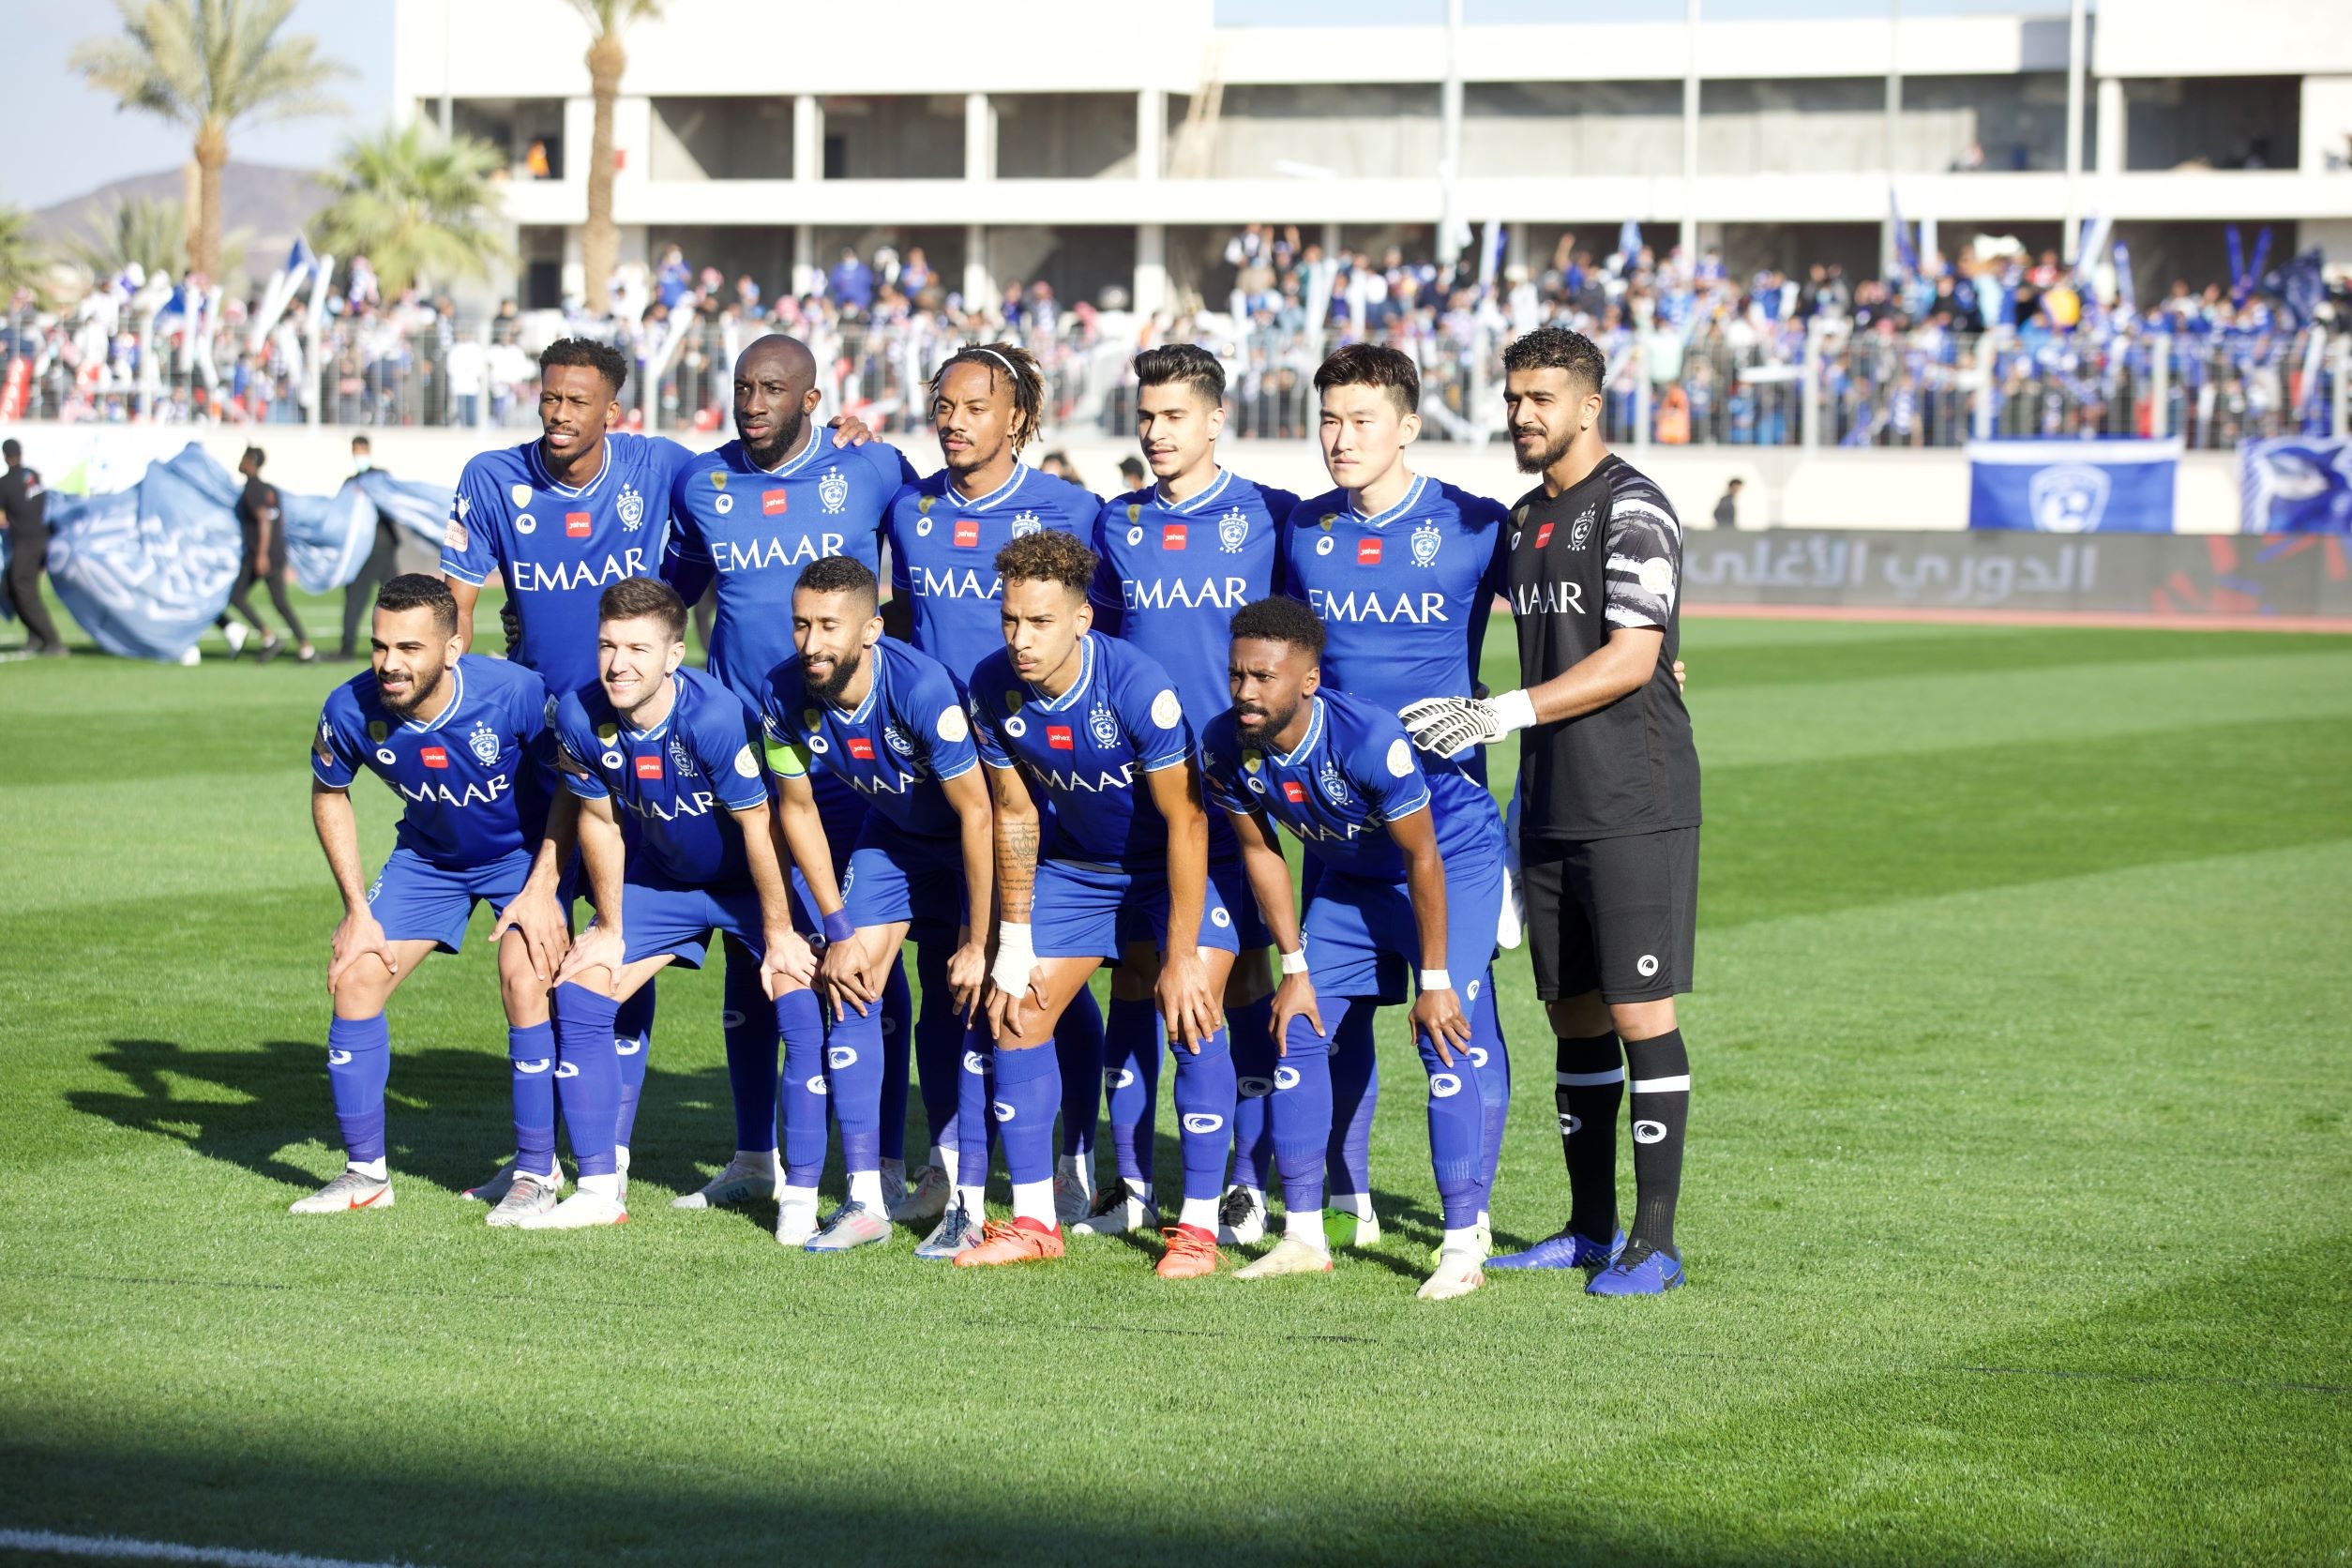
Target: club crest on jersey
[[1012, 702], [1425, 541], [606, 731], [1025, 523], [1135, 511], [896, 740], [1581, 534], [520, 494], [718, 478], [1335, 783], [377, 730], [680, 759], [631, 506], [1232, 530], [833, 491], [484, 742], [1105, 728]]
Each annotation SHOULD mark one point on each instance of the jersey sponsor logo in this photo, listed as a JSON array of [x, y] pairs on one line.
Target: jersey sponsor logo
[[1135, 535], [695, 805], [631, 506], [1294, 792], [1104, 727], [520, 494], [1025, 523], [1232, 530], [1017, 727], [861, 748], [724, 504], [956, 582], [833, 491], [610, 759], [1103, 782], [1208, 593], [1059, 737], [539, 577], [1367, 553], [1388, 609], [773, 502], [649, 765], [1542, 536], [484, 742], [1425, 541], [525, 524], [1548, 599], [967, 533], [1165, 710], [576, 524], [489, 793], [750, 555], [434, 757], [1172, 536]]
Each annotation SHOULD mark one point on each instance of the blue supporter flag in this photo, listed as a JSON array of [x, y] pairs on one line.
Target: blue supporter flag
[[145, 570], [2296, 485], [328, 536], [2073, 487]]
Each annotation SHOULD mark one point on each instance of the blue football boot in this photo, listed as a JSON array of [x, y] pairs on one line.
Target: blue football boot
[[1566, 1250], [1649, 1272]]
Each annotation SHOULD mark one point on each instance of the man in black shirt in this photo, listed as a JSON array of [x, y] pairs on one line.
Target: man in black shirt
[[359, 594], [25, 507], [261, 520], [1607, 805]]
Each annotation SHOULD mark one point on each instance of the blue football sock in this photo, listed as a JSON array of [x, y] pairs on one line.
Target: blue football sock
[[358, 1065], [1494, 1080], [1355, 1092], [1251, 1025], [1457, 1127], [1205, 1112], [1131, 1073], [855, 1070], [1078, 1051], [531, 1053], [748, 1020], [976, 1096], [939, 1034], [632, 1036], [587, 1075], [898, 1040], [1028, 1092], [1299, 1110], [800, 1019]]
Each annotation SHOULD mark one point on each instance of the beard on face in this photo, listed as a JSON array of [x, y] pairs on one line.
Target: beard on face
[[1274, 721], [421, 686], [788, 427], [845, 670], [1547, 454]]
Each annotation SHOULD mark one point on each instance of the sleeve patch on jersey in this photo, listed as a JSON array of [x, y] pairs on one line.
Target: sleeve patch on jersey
[[786, 761], [1657, 575], [953, 724], [1400, 758], [456, 537], [1165, 710], [746, 764]]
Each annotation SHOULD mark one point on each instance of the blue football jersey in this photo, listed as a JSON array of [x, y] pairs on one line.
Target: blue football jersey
[[1353, 773], [1087, 751], [557, 547], [674, 784], [942, 556], [476, 778], [894, 749], [1172, 576], [753, 529], [1403, 596]]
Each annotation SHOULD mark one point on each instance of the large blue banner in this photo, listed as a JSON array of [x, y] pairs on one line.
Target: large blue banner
[[2296, 484], [328, 536], [2073, 487]]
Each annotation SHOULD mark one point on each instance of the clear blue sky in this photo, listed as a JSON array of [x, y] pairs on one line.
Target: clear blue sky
[[65, 138]]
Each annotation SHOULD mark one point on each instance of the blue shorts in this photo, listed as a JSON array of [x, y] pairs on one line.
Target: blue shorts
[[893, 875], [1361, 939], [1083, 910], [415, 900], [1240, 901], [681, 921]]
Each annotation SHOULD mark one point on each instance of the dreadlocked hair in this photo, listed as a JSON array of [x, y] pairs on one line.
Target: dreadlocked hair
[[1016, 365]]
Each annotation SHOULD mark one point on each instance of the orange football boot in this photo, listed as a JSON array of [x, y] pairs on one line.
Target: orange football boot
[[1191, 1252], [1019, 1240]]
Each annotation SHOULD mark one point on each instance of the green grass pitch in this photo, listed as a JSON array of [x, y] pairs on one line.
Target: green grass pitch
[[2018, 1212]]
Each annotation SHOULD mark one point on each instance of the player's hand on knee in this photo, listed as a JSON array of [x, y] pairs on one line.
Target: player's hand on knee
[[841, 975], [1186, 1001], [355, 937], [967, 976], [1438, 1014], [1295, 998], [538, 920], [600, 948], [789, 962]]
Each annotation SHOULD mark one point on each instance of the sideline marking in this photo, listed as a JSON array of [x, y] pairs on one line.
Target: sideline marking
[[167, 1551]]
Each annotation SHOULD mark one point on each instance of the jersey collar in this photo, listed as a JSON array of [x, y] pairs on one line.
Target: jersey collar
[[457, 700], [874, 691], [1411, 498], [791, 465], [542, 480], [1076, 693], [947, 485], [677, 695], [1307, 742], [1192, 504]]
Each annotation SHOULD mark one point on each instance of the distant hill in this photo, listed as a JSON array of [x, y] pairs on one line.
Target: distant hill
[[269, 201]]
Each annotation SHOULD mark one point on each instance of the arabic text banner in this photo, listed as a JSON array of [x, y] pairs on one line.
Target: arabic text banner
[[2073, 487]]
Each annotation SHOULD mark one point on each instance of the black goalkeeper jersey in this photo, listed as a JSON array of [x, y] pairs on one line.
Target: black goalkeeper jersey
[[1605, 554]]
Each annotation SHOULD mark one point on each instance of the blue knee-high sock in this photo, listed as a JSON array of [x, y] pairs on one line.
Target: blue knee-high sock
[[1457, 1125], [632, 1035], [587, 1075], [898, 1040], [358, 1065], [1355, 1091], [1028, 1092], [1204, 1110], [939, 1034], [1491, 1055], [1131, 1073], [749, 1021], [854, 1053], [1251, 1025], [1078, 1051], [800, 1019], [531, 1053], [975, 1097], [1301, 1110]]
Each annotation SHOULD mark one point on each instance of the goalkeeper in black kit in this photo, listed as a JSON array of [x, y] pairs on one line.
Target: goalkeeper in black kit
[[1608, 806]]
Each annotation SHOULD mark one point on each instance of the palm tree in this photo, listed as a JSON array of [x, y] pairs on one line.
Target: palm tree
[[599, 241], [209, 65], [23, 263], [414, 206], [153, 233]]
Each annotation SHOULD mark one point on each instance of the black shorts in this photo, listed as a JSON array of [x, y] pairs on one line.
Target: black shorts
[[1616, 915]]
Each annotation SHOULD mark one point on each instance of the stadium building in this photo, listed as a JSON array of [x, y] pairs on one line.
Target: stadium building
[[1109, 147]]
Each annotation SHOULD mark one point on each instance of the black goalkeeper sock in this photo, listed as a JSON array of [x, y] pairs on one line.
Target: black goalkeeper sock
[[1588, 1088], [1661, 1073]]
